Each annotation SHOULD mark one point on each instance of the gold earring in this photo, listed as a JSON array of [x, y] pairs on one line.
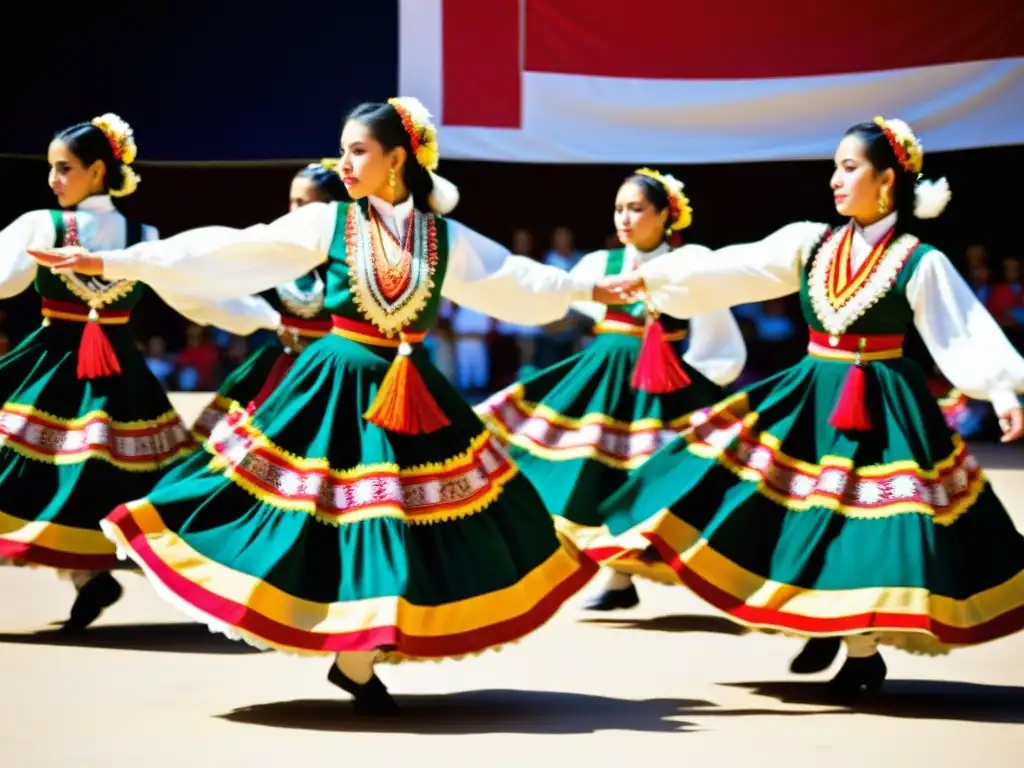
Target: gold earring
[[883, 199], [392, 179]]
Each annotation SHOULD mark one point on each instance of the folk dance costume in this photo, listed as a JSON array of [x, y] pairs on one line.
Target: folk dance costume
[[363, 507], [831, 499], [84, 424], [303, 319], [578, 428]]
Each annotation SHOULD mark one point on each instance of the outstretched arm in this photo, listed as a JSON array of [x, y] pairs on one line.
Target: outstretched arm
[[486, 277], [694, 280], [215, 263]]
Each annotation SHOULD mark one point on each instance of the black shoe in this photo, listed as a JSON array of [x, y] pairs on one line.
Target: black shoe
[[614, 600], [859, 676], [370, 698], [817, 656], [98, 594]]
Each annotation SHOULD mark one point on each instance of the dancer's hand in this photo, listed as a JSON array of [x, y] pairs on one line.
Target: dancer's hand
[[1012, 424], [291, 340], [71, 258], [619, 289]]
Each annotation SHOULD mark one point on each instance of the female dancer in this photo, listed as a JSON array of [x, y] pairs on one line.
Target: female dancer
[[84, 425], [301, 304], [363, 510], [577, 428], [831, 500]]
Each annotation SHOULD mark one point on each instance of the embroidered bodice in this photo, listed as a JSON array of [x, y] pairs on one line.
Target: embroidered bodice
[[89, 290], [838, 296], [376, 277]]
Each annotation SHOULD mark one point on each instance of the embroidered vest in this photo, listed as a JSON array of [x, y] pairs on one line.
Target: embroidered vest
[[303, 298], [871, 301], [89, 290], [363, 286]]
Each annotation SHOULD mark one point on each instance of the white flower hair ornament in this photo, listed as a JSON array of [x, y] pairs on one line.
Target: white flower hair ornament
[[931, 198]]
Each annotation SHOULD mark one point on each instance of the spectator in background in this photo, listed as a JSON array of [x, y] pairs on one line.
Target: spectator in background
[[472, 358], [158, 361], [1006, 301], [775, 326], [979, 277], [977, 256], [560, 340], [522, 243], [198, 362], [563, 253], [233, 356], [524, 336]]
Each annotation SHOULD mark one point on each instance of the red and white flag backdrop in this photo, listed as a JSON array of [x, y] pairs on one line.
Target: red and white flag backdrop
[[688, 81]]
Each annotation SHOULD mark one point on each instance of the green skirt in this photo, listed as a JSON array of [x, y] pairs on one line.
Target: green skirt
[[771, 515], [579, 428], [238, 389], [71, 450], [307, 529]]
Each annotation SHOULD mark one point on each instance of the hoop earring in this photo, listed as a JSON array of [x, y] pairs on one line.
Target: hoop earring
[[883, 199], [392, 180]]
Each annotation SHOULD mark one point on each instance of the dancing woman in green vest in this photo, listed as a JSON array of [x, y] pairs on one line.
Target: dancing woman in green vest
[[578, 428], [363, 510], [300, 303], [84, 424], [831, 500]]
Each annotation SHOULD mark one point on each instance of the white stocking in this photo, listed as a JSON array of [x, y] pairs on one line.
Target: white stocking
[[357, 666], [618, 581], [861, 646], [81, 578]]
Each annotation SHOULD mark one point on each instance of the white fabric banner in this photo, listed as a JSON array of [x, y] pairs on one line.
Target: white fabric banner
[[502, 110]]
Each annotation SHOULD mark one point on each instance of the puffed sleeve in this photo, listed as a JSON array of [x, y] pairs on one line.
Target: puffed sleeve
[[17, 268], [965, 341], [694, 280], [215, 263], [486, 277], [716, 346]]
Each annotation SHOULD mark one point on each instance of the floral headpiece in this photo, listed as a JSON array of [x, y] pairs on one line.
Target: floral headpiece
[[330, 163], [122, 144], [904, 143], [418, 124], [680, 214], [120, 136]]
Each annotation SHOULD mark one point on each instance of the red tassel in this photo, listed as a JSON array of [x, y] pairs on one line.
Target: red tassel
[[658, 369], [403, 403], [96, 358], [851, 411], [282, 365]]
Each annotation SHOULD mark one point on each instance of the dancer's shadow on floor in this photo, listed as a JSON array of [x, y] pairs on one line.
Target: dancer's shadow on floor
[[716, 625], [479, 712], [164, 638], [912, 699]]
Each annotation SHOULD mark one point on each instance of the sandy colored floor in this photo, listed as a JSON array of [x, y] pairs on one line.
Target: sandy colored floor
[[666, 682]]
